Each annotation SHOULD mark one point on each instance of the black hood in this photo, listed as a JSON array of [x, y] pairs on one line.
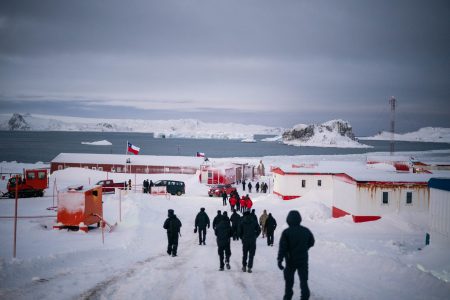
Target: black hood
[[294, 218]]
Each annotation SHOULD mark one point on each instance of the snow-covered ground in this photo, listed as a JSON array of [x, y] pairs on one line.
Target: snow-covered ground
[[426, 134], [386, 259]]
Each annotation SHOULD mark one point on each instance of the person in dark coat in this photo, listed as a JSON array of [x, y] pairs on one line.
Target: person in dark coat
[[253, 214], [172, 225], [225, 217], [249, 187], [217, 219], [201, 222], [223, 233], [235, 220], [295, 242], [150, 186], [145, 186], [270, 226], [243, 185], [248, 232], [238, 198], [257, 187], [224, 198]]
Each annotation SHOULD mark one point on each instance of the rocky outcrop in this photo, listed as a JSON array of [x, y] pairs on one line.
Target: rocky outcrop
[[17, 122], [305, 133]]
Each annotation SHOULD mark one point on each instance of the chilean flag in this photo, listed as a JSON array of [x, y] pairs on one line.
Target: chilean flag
[[200, 154], [133, 149]]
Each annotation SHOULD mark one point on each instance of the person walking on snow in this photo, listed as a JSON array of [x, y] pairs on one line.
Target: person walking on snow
[[217, 219], [243, 185], [242, 202], [249, 204], [223, 234], [257, 187], [172, 225], [232, 201], [262, 222], [201, 222], [271, 225], [248, 232], [295, 242], [249, 187], [224, 198], [235, 220]]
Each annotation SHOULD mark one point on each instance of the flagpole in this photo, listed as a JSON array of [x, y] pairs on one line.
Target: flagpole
[[126, 153]]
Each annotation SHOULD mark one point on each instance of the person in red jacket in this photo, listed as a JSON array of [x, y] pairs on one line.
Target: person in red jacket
[[232, 201], [248, 203], [243, 204]]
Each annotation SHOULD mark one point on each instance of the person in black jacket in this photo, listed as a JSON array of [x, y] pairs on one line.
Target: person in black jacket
[[248, 232], [172, 225], [270, 226], [201, 222], [295, 242], [224, 198], [217, 219], [235, 220], [223, 233]]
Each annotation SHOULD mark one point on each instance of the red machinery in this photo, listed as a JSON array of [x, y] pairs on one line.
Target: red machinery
[[31, 184]]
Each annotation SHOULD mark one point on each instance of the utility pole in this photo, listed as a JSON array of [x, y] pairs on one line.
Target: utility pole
[[392, 103]]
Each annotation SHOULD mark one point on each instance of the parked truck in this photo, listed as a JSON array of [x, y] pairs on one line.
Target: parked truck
[[109, 186]]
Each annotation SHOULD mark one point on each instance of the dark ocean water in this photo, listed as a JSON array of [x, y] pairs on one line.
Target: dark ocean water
[[30, 147]]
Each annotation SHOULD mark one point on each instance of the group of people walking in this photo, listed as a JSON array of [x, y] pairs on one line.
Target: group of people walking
[[258, 186], [236, 202], [293, 249]]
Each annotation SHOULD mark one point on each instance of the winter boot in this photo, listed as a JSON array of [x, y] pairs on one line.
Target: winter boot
[[221, 269], [228, 266], [244, 269], [249, 270]]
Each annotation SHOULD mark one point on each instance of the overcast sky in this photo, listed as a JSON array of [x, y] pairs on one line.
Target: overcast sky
[[276, 63]]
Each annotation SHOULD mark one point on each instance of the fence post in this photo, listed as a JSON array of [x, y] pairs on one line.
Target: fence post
[[15, 217]]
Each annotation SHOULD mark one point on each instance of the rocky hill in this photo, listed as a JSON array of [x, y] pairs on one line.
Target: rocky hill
[[334, 133]]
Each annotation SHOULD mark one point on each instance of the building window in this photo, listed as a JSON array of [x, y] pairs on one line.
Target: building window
[[94, 168], [319, 182], [100, 168], [119, 169], [303, 183], [408, 197], [385, 198], [60, 167]]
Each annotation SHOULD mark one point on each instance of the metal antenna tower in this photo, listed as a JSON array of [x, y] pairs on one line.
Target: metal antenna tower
[[392, 103]]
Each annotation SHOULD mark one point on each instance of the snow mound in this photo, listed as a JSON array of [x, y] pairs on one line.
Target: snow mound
[[98, 143]]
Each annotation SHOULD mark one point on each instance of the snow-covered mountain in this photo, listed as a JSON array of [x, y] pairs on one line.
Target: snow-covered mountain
[[334, 133], [185, 128], [426, 134]]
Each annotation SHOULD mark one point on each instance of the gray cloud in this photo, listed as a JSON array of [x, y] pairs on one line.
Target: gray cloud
[[291, 61]]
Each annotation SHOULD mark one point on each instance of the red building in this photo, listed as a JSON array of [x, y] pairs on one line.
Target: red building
[[117, 163]]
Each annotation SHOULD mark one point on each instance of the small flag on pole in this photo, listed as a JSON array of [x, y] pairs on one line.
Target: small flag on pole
[[200, 154], [133, 149]]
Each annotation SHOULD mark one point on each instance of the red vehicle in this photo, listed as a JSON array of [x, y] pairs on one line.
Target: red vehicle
[[31, 184], [109, 186], [217, 190]]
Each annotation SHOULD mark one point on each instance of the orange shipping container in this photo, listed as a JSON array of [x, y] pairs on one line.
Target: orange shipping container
[[79, 207]]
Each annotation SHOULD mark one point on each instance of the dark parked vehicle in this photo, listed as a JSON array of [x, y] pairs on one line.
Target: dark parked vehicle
[[173, 187], [217, 190], [108, 186]]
